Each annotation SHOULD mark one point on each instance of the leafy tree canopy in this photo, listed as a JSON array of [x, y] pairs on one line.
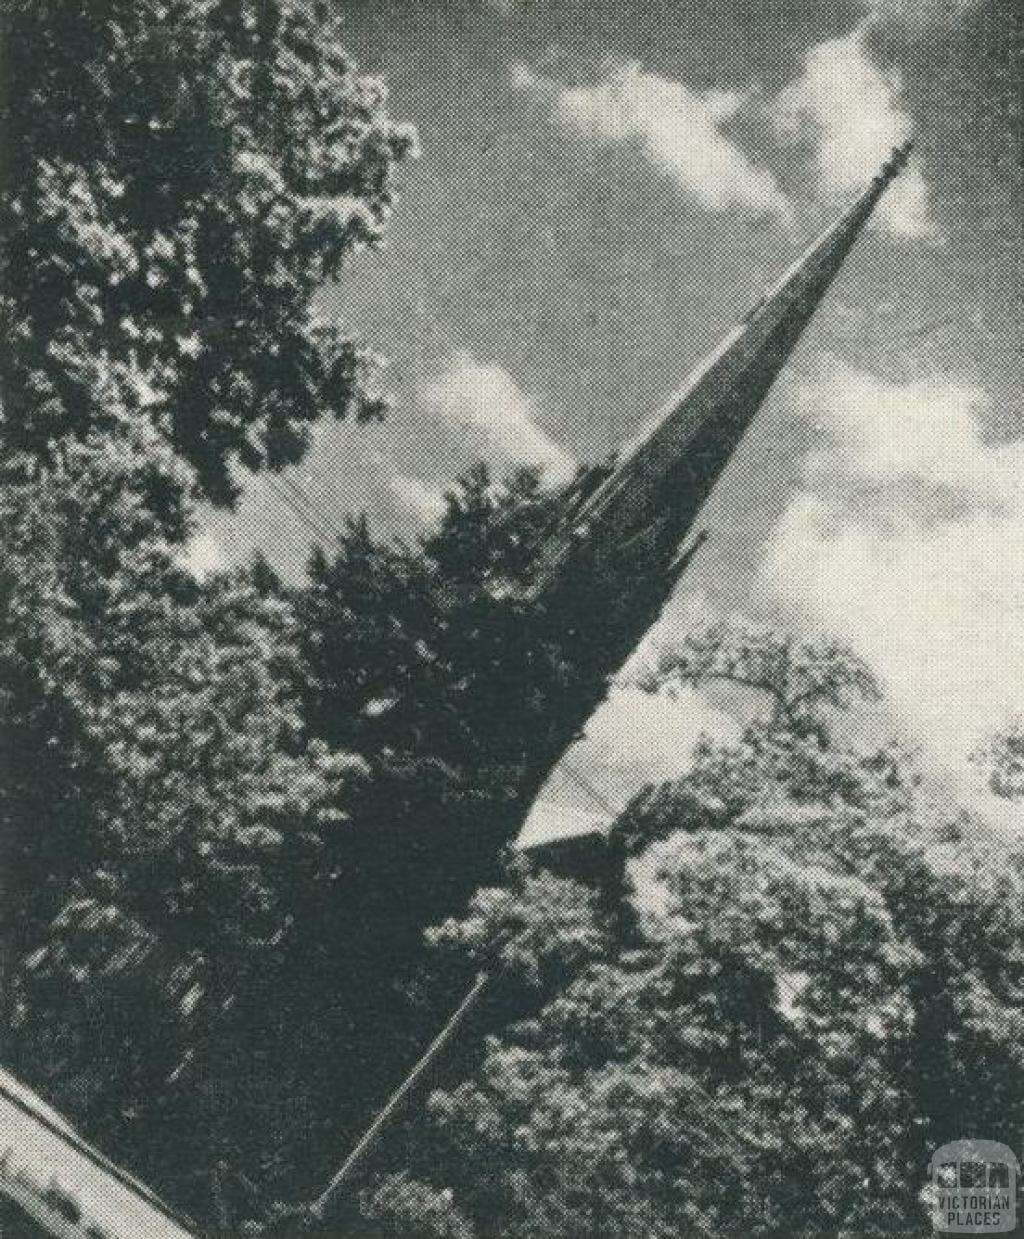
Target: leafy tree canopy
[[254, 801], [180, 178], [805, 988], [162, 808]]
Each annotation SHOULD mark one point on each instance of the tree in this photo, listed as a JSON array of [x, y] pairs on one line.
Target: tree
[[181, 177], [256, 799], [428, 664], [181, 180], [163, 814], [433, 665], [435, 628], [809, 984]]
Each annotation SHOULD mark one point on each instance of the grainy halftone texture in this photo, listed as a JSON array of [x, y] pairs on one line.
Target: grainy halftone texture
[[786, 966]]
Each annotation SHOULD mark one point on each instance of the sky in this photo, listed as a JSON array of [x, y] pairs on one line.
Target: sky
[[604, 187]]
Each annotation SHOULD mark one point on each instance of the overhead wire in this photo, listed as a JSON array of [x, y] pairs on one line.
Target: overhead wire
[[303, 498], [315, 524]]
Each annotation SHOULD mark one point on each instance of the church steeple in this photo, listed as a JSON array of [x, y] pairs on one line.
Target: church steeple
[[671, 469], [608, 568]]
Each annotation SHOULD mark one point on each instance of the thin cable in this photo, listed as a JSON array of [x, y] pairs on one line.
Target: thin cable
[[302, 502], [320, 532], [319, 514]]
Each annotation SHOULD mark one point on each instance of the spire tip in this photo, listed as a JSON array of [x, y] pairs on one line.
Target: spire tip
[[896, 162]]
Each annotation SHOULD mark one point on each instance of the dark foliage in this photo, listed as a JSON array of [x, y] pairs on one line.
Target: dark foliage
[[812, 983], [255, 801], [180, 177]]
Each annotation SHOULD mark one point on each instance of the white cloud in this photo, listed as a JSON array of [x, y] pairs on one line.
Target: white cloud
[[494, 416], [925, 430], [204, 554], [637, 737], [850, 110], [908, 540], [419, 497], [680, 131]]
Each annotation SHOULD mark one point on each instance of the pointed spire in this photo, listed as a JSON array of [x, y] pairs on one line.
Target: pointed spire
[[670, 470], [608, 567]]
